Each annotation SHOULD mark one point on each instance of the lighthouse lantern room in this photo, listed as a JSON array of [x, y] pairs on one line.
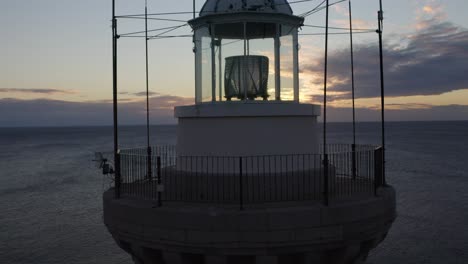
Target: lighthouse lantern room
[[246, 83], [245, 50]]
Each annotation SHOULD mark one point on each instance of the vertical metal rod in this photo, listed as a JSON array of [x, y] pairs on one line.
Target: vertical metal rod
[[118, 179], [296, 66], [147, 77], [220, 69], [241, 191], [378, 172], [353, 94], [277, 64], [375, 172], [149, 173], [382, 89], [197, 59], [325, 155], [159, 188], [352, 71], [326, 198], [245, 65], [325, 85], [213, 64], [115, 109]]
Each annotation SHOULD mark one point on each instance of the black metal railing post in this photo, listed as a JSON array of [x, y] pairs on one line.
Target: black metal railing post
[[150, 171], [353, 166], [117, 175], [326, 194], [159, 188], [378, 169], [241, 191]]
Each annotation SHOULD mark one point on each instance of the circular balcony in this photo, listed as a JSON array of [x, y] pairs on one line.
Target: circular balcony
[[250, 209]]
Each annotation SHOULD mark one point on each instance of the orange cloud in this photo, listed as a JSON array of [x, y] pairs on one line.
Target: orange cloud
[[428, 9], [432, 11], [357, 24]]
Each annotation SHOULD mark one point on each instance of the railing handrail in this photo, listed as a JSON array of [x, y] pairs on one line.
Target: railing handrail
[[260, 178], [143, 150]]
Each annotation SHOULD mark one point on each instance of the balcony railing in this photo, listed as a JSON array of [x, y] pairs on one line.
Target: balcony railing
[[165, 176]]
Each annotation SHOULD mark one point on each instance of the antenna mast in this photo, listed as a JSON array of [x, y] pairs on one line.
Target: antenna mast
[[147, 94], [193, 9], [352, 87], [114, 92], [325, 155], [382, 88]]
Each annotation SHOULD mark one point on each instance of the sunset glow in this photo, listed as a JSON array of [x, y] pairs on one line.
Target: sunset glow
[[52, 57]]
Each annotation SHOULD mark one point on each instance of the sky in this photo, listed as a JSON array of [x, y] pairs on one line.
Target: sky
[[56, 65]]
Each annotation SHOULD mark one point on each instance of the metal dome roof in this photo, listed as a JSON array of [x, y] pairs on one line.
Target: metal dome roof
[[230, 6], [229, 17]]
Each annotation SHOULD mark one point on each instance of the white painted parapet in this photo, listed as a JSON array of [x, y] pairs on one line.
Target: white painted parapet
[[240, 129]]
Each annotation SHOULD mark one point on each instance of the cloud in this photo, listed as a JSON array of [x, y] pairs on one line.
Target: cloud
[[35, 91], [429, 10], [340, 10], [410, 106], [144, 93], [400, 113], [358, 24], [139, 94], [429, 62], [45, 112], [430, 14]]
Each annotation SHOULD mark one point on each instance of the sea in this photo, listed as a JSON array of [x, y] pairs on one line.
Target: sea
[[51, 191]]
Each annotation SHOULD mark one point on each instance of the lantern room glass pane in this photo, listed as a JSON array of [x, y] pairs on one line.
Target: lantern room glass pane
[[264, 50], [230, 36], [206, 73], [203, 74], [231, 68], [287, 63]]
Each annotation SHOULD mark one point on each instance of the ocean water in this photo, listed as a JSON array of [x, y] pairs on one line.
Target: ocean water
[[51, 206]]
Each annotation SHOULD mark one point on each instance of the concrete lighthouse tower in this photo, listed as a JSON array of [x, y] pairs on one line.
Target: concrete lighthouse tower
[[247, 182]]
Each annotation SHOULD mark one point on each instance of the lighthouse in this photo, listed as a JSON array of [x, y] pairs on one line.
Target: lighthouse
[[247, 181]]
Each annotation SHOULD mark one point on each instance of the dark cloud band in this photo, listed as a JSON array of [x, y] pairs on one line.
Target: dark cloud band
[[35, 91], [44, 112], [432, 61]]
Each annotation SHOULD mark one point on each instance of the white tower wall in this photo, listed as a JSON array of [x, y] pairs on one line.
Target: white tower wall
[[246, 129]]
